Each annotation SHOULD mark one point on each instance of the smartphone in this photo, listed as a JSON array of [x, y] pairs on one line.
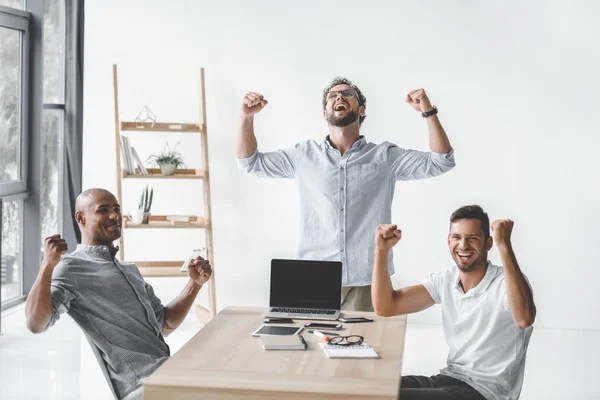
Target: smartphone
[[319, 325], [278, 321], [355, 320]]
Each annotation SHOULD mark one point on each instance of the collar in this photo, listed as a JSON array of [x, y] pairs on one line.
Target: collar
[[99, 251], [482, 286], [359, 144]]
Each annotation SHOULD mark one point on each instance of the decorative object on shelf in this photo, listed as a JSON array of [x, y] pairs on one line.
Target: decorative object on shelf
[[145, 116], [141, 215], [168, 160]]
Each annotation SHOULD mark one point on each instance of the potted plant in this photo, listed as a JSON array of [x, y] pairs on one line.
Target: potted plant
[[168, 160], [141, 215]]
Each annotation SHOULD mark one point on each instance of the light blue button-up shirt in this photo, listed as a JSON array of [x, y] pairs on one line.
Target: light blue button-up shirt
[[344, 197]]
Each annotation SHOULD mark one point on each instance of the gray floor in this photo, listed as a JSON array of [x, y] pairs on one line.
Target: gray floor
[[58, 364]]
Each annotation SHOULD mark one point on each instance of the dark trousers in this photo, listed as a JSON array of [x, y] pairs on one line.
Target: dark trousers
[[440, 387]]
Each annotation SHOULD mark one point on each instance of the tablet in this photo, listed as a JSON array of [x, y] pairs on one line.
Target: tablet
[[276, 330]]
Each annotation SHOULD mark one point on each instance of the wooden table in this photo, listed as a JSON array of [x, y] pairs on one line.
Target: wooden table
[[222, 361]]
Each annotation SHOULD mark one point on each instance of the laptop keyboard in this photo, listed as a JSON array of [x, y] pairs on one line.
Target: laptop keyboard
[[302, 310]]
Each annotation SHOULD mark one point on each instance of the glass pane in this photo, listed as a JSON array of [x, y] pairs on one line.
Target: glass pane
[[11, 250], [54, 52], [52, 159], [12, 3], [10, 101]]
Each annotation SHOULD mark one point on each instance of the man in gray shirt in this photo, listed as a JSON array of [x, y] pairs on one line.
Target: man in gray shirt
[[108, 298], [346, 184]]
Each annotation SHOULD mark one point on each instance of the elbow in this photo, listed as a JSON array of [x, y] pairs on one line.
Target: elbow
[[33, 327], [382, 312], [525, 322]]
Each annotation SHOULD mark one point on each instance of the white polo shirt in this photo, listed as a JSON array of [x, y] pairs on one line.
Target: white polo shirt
[[486, 348]]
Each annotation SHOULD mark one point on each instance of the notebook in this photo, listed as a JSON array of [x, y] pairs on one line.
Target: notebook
[[294, 342], [356, 351]]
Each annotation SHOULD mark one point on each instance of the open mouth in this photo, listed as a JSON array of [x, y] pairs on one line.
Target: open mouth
[[340, 107], [465, 255]]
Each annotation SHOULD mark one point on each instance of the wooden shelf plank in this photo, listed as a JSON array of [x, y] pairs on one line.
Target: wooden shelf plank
[[158, 269], [154, 264], [161, 222], [155, 173], [160, 127]]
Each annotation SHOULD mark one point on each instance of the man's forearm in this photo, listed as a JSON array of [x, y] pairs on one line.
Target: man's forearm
[[38, 307], [177, 309], [518, 292], [382, 291], [245, 144], [438, 140]]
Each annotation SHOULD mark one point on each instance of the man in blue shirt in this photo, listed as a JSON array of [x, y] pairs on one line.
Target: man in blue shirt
[[346, 184], [108, 298]]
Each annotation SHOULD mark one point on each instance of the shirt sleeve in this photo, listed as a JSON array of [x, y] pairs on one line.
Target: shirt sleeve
[[433, 283], [63, 291], [274, 164], [157, 305], [409, 165]]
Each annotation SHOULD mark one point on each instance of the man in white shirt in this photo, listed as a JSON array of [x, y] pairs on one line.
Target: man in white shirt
[[487, 310]]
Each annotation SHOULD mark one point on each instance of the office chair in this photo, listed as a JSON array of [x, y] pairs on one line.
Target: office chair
[[102, 366]]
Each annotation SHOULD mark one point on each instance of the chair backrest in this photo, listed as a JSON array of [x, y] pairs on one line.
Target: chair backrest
[[102, 366]]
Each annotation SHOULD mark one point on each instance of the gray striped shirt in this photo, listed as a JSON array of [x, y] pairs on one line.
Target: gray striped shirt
[[344, 197], [116, 308]]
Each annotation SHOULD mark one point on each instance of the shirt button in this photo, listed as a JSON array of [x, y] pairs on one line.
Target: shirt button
[[342, 250], [342, 209], [342, 188], [342, 168], [341, 230]]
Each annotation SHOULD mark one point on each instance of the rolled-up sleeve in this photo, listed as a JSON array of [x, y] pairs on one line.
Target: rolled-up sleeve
[[413, 164], [157, 305], [63, 291], [274, 164]]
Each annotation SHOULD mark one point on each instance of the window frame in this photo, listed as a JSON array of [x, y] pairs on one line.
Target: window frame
[[19, 20]]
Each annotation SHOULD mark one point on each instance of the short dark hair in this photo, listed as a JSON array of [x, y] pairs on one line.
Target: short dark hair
[[473, 212], [362, 100]]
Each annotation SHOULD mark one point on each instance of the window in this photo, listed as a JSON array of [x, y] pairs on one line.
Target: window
[[14, 122], [53, 120], [11, 246]]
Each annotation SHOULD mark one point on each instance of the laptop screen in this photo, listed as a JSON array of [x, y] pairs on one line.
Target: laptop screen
[[306, 284]]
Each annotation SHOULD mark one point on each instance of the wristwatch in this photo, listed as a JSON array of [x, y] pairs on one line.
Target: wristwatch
[[430, 113]]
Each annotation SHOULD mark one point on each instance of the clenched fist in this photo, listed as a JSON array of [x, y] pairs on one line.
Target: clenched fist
[[199, 270], [54, 247], [386, 236], [501, 231], [253, 103], [418, 100]]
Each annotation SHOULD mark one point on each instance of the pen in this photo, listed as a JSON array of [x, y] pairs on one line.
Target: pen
[[303, 341], [323, 335]]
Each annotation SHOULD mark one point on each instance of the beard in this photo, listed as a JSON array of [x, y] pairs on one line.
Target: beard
[[482, 259], [341, 122]]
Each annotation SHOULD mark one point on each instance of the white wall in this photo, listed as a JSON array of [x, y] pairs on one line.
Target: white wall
[[516, 85]]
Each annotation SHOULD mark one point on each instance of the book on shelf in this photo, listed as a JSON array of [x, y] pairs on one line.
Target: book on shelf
[[138, 161], [126, 155]]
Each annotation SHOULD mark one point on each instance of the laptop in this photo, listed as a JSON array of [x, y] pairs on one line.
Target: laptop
[[305, 289]]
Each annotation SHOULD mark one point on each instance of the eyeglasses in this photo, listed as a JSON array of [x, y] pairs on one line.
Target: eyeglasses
[[346, 340], [346, 93]]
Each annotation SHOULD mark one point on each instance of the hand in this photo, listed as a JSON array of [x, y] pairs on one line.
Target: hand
[[54, 247], [501, 231], [253, 103], [418, 100], [199, 270], [386, 236]]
